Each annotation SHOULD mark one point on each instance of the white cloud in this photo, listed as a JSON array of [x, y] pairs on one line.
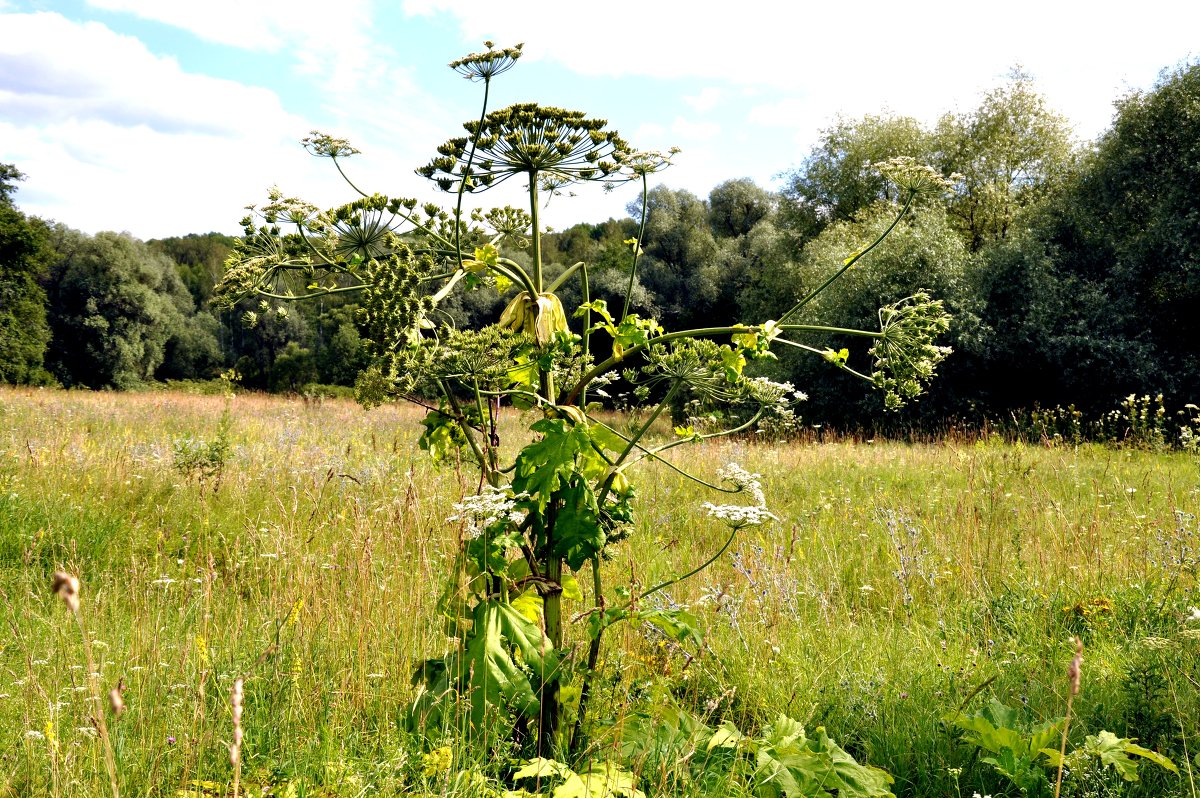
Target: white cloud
[[259, 25], [688, 130], [919, 59], [706, 100], [113, 136], [53, 70]]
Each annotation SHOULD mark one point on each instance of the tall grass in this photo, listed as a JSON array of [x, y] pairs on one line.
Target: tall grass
[[900, 579]]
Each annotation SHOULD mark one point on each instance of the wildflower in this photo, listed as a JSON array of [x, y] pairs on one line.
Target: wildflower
[[916, 178], [529, 139], [492, 506], [170, 739], [437, 761], [738, 516], [743, 481], [488, 64], [1194, 616]]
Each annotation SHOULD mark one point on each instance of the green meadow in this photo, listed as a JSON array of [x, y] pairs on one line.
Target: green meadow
[[305, 547]]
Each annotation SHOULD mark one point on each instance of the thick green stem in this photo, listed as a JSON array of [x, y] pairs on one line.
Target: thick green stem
[[830, 330], [577, 738], [637, 249], [535, 249], [853, 259], [586, 293]]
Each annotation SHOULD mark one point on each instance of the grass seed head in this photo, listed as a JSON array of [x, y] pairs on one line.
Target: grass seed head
[[67, 588]]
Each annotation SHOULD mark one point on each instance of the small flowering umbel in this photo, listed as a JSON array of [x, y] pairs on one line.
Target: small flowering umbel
[[916, 178], [324, 145], [484, 510], [905, 355], [529, 139], [648, 162], [737, 516], [488, 64]]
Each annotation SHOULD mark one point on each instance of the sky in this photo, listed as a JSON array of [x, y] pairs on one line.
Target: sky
[[168, 117]]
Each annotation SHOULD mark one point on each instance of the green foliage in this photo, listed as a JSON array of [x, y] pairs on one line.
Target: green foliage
[[1010, 153], [205, 460], [116, 311], [836, 182], [597, 780], [782, 762], [1026, 754], [568, 501], [24, 257], [1126, 225], [501, 669]]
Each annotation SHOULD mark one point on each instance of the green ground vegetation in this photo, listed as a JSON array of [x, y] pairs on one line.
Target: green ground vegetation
[[906, 591]]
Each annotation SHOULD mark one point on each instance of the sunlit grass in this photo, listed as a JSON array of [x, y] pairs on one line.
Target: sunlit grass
[[899, 579]]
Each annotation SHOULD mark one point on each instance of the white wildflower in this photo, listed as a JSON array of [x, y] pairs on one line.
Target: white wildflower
[[738, 516], [484, 509], [744, 481]]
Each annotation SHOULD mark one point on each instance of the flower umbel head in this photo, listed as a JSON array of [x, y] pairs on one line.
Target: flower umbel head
[[324, 145], [916, 178], [483, 510], [905, 355], [738, 516], [488, 64], [527, 139]]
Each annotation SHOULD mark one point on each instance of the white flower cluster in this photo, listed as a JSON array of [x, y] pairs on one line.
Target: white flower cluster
[[482, 510], [736, 515], [775, 393], [743, 480]]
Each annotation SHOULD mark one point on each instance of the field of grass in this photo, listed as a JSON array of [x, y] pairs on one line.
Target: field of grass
[[901, 584]]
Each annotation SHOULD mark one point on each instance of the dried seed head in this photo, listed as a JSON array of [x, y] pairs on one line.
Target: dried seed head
[[67, 588], [236, 698], [1074, 669], [116, 699]]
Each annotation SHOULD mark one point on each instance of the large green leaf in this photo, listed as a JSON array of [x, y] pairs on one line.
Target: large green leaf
[[506, 660], [817, 766], [578, 535], [1115, 751], [545, 466]]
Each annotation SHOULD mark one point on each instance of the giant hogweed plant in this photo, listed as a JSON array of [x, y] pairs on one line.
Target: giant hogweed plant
[[555, 512]]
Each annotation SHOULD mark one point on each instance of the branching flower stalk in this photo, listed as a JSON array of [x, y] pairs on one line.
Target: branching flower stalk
[[567, 497]]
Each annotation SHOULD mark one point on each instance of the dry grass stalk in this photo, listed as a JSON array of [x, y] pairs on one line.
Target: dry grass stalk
[[67, 587], [236, 699], [1074, 675]]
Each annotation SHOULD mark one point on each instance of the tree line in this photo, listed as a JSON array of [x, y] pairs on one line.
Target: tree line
[[1072, 270]]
